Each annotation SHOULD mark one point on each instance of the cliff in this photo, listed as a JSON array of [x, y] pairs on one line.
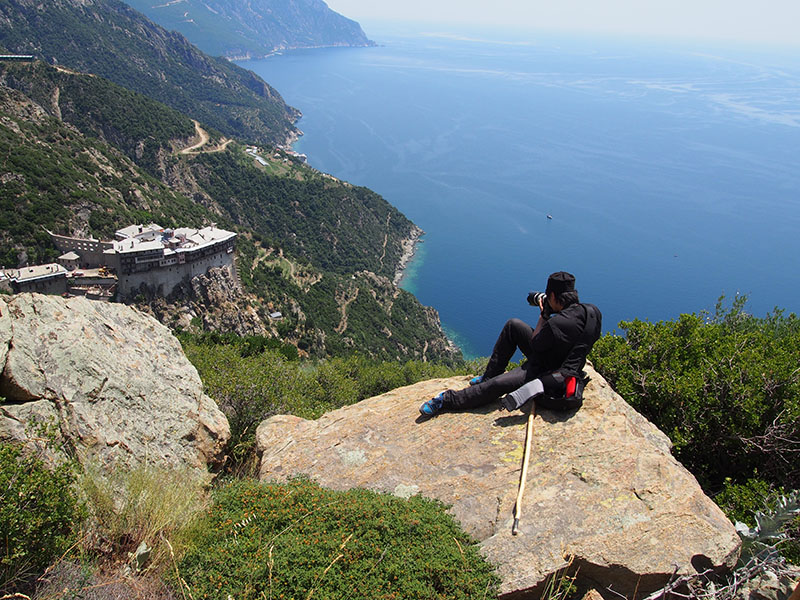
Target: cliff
[[110, 39], [257, 28]]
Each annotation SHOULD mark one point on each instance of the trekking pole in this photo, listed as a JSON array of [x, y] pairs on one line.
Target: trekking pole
[[524, 475]]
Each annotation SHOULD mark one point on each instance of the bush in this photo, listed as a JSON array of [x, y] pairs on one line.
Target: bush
[[37, 510], [251, 381], [739, 501], [296, 540], [725, 388]]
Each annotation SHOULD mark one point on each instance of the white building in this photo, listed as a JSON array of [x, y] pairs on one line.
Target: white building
[[152, 256], [43, 279]]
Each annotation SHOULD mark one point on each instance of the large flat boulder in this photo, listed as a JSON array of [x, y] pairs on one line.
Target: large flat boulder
[[113, 382], [603, 489]]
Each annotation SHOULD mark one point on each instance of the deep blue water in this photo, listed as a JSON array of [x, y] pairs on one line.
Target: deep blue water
[[672, 173]]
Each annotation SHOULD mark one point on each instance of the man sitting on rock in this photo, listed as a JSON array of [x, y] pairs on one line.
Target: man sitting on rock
[[556, 351]]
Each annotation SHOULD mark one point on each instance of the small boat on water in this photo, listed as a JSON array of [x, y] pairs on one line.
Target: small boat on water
[[549, 216]]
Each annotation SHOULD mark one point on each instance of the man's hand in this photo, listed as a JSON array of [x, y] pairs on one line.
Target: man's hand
[[537, 299]]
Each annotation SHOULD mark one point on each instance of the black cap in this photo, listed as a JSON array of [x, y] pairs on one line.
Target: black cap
[[560, 282]]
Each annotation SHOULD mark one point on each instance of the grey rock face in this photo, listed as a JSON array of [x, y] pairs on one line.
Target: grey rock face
[[113, 380], [602, 486], [215, 297]]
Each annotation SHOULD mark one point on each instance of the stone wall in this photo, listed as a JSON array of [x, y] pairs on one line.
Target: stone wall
[[164, 280], [90, 251]]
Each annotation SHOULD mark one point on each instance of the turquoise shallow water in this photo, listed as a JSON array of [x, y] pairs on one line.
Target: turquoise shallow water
[[671, 173]]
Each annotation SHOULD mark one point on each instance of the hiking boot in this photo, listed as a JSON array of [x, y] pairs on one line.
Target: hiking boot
[[432, 406], [476, 380]]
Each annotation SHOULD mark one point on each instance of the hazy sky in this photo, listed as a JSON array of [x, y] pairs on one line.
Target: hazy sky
[[775, 21]]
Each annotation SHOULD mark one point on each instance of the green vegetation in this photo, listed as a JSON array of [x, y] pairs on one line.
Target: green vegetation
[[142, 128], [37, 513], [250, 387], [726, 389], [334, 226], [381, 321], [298, 540], [109, 39]]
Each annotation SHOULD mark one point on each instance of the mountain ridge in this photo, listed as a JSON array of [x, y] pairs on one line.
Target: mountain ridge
[[110, 39], [255, 28], [84, 157]]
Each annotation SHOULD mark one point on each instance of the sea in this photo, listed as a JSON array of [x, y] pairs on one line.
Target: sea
[[662, 174]]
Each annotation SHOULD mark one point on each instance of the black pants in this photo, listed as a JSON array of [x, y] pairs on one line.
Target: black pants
[[496, 383]]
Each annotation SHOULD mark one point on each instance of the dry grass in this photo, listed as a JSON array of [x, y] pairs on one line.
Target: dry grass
[[70, 581], [144, 505]]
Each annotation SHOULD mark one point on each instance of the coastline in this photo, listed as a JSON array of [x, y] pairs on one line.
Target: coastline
[[409, 250], [278, 51], [292, 136], [408, 244]]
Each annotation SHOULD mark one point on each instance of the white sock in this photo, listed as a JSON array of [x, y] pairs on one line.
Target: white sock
[[527, 391]]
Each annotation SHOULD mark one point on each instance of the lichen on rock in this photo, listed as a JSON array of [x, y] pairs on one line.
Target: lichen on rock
[[603, 492], [113, 381]]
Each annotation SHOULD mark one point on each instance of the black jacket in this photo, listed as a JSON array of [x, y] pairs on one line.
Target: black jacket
[[566, 339]]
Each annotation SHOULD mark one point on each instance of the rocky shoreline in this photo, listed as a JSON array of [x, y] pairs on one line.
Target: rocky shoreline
[[292, 136], [409, 250], [280, 50]]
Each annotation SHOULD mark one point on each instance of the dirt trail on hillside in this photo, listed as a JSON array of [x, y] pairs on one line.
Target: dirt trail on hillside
[[203, 134], [71, 72], [344, 300]]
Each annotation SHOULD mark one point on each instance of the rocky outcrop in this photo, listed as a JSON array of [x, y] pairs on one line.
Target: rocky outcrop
[[603, 489], [113, 381], [214, 297]]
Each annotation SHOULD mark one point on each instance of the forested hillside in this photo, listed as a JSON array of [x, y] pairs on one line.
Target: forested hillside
[[56, 178], [84, 156], [256, 28], [110, 39], [336, 226], [130, 121]]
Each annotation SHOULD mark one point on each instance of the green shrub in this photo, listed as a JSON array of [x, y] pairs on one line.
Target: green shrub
[[298, 540], [37, 510], [725, 388], [251, 380], [739, 501]]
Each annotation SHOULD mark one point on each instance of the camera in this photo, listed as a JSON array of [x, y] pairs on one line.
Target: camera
[[537, 298], [534, 298]]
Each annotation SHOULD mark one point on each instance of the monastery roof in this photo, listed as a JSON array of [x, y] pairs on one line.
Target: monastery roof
[[34, 272], [136, 230], [168, 240]]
